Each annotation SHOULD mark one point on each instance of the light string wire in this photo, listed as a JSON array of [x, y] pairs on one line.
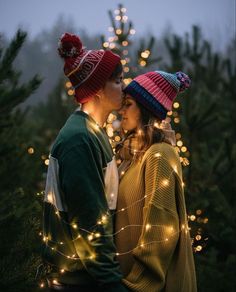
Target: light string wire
[[92, 235]]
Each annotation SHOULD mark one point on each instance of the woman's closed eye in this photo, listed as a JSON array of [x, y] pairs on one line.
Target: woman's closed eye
[[119, 80]]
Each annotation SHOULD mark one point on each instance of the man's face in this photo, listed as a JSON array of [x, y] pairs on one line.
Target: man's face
[[112, 94]]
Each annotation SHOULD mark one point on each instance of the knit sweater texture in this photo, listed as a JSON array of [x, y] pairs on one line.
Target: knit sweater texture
[[152, 235]]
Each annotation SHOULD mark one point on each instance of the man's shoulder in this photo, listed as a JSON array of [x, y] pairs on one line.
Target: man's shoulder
[[73, 133]]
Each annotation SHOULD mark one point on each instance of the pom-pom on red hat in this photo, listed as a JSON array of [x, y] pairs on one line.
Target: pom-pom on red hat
[[87, 70]]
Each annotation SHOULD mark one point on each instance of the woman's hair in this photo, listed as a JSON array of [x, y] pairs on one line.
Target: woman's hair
[[117, 72], [147, 134]]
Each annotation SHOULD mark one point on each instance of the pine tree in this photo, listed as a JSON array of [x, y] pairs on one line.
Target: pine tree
[[17, 203]]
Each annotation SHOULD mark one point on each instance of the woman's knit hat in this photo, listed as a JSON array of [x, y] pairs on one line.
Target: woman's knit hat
[[157, 90], [87, 70]]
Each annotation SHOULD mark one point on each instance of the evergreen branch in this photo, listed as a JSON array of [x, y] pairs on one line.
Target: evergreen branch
[[12, 98], [10, 54]]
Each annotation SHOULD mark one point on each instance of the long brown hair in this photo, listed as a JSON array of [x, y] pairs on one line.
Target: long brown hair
[[148, 132]]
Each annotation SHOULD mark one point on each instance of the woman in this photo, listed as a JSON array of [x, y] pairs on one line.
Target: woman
[[152, 236]]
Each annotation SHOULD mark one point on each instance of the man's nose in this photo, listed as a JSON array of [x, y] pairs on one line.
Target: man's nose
[[121, 110]]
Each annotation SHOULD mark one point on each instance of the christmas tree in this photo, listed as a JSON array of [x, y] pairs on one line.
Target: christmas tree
[[17, 203]]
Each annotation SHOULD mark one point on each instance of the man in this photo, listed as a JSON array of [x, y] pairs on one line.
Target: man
[[82, 177]]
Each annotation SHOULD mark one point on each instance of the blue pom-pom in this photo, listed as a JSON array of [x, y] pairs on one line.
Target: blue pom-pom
[[184, 80]]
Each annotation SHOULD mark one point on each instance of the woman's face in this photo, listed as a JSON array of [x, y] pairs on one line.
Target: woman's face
[[130, 114]]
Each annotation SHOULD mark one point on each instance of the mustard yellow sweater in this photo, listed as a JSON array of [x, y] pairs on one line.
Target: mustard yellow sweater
[[152, 235]]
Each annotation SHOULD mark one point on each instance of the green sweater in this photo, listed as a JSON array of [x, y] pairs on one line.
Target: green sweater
[[151, 224], [77, 229]]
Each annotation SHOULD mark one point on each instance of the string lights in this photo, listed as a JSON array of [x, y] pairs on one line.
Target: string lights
[[119, 42]]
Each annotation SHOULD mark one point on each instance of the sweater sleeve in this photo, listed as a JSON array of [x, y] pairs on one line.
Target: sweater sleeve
[[90, 223], [160, 229]]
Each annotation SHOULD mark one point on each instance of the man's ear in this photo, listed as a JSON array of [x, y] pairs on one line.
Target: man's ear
[[99, 94]]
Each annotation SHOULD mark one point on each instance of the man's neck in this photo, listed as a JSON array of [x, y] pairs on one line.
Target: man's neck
[[95, 111]]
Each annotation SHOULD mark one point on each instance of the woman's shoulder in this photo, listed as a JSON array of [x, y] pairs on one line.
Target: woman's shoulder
[[162, 149]]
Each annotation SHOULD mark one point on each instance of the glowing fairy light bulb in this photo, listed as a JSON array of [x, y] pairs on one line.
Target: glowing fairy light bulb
[[156, 125], [90, 237], [41, 285], [165, 182], [68, 84], [45, 238], [176, 105], [178, 136], [31, 150], [199, 248], [143, 63], [92, 257], [55, 282], [198, 237], [70, 92], [104, 218], [148, 227], [75, 226], [118, 31], [170, 229], [139, 132], [179, 143], [192, 217], [199, 212], [132, 31], [157, 155], [105, 44], [145, 54], [46, 162], [112, 46], [125, 18], [62, 271], [183, 149]]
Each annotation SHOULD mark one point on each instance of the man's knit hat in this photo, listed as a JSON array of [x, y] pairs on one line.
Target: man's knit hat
[[157, 90], [87, 70]]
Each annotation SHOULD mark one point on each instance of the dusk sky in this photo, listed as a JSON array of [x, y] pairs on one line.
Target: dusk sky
[[216, 17]]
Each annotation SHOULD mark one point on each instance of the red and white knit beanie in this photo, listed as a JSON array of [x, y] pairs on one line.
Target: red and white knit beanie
[[87, 70]]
